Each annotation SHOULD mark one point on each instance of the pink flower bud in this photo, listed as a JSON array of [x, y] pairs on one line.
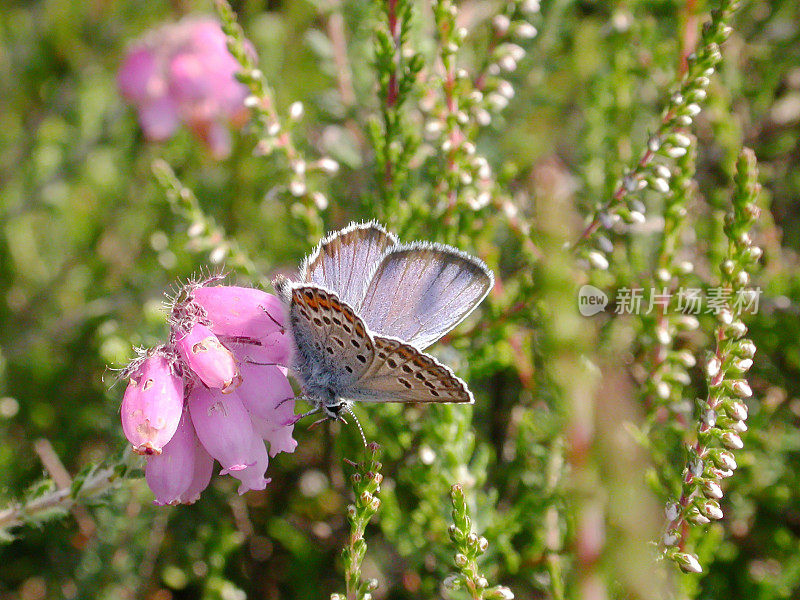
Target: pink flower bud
[[250, 321], [208, 358], [224, 428], [152, 405], [268, 396], [170, 473]]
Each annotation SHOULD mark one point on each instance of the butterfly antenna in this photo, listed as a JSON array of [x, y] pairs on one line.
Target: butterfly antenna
[[360, 430]]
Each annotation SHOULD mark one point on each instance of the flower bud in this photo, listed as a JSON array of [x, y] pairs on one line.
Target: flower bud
[[328, 165], [597, 260], [737, 410], [747, 349], [688, 562], [738, 426], [711, 509], [712, 490], [732, 440], [152, 405], [712, 367], [212, 362], [736, 329], [525, 31], [742, 389], [461, 560], [671, 511], [696, 517], [452, 582], [725, 459]]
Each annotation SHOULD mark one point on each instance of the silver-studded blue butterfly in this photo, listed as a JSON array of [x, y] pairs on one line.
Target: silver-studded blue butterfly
[[364, 310]]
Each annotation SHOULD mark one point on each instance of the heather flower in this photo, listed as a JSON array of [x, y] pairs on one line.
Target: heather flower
[[268, 396], [251, 320], [170, 474], [212, 362], [228, 344], [201, 475], [152, 404], [183, 72], [224, 428]]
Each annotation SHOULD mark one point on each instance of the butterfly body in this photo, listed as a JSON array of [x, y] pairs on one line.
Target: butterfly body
[[365, 309]]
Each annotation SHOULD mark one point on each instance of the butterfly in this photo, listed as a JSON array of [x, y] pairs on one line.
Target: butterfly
[[364, 310]]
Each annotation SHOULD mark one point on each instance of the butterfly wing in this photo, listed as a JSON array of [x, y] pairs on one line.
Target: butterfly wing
[[401, 373], [420, 291], [342, 261], [333, 348]]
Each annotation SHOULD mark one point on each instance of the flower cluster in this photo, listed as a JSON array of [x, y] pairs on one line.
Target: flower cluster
[[214, 391], [183, 72], [669, 143], [469, 102], [724, 411], [469, 547]]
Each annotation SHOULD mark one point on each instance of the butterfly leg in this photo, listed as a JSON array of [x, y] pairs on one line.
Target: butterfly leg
[[295, 418]]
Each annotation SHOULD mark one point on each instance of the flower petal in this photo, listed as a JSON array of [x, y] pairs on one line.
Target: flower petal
[[253, 477]]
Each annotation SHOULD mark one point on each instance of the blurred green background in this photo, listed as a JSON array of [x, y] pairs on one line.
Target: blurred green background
[[89, 245]]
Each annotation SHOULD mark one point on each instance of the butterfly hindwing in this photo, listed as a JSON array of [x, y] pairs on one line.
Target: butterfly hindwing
[[401, 373], [420, 291], [343, 259]]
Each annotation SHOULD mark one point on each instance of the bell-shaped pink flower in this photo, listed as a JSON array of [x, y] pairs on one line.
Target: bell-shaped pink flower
[[203, 469], [268, 396], [250, 321], [170, 473], [212, 362], [183, 72], [254, 476], [224, 428], [152, 405]]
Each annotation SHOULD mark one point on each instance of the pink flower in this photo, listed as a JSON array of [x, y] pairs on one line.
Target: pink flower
[[170, 474], [253, 477], [250, 320], [268, 396], [212, 362], [183, 72], [152, 404], [224, 428], [201, 476], [227, 343]]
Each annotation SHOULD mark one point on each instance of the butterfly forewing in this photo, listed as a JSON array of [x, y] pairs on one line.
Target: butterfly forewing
[[421, 291], [401, 373], [333, 346], [342, 260]]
